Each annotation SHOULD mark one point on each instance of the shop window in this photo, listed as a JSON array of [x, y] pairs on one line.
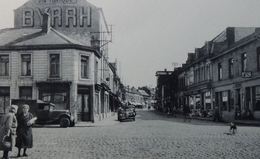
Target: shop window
[[84, 66], [25, 92], [46, 97], [54, 65], [257, 98], [224, 100], [231, 67], [26, 64], [4, 99], [243, 61], [4, 65], [220, 72], [231, 100], [258, 59]]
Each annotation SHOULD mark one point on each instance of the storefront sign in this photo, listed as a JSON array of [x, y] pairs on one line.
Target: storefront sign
[[208, 101], [224, 99], [247, 74]]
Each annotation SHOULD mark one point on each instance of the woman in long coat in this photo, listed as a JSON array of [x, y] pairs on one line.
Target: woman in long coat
[[24, 131], [8, 126]]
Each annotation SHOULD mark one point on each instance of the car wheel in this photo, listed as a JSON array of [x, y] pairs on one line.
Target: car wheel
[[64, 122]]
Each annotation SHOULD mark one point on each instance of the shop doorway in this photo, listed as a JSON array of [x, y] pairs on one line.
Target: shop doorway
[[84, 107]]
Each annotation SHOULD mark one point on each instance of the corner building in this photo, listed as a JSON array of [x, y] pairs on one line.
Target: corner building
[[56, 52]]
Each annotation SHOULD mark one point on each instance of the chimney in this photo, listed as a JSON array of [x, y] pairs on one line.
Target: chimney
[[230, 35], [46, 22]]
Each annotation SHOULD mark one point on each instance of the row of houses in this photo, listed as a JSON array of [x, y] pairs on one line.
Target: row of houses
[[223, 76], [58, 52], [141, 98]]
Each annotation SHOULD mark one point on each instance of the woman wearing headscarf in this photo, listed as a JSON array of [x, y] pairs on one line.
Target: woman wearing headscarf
[[24, 131], [8, 125]]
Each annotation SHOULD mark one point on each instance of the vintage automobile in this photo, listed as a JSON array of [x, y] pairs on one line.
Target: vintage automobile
[[46, 114], [126, 113]]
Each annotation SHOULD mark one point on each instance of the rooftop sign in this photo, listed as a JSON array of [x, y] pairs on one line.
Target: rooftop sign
[[56, 1]]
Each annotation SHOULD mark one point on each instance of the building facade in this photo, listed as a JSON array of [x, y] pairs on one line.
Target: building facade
[[57, 52], [223, 76]]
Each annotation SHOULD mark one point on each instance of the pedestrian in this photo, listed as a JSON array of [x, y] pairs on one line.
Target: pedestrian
[[8, 125], [186, 112], [24, 130]]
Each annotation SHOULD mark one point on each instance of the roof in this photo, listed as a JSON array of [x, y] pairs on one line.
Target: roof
[[36, 39], [143, 93], [30, 36]]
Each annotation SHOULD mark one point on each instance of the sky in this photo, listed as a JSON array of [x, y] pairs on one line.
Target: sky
[[153, 35]]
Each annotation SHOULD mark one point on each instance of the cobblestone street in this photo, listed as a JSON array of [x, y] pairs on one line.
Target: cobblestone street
[[151, 136]]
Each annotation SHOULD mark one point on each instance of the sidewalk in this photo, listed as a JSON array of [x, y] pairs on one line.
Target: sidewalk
[[112, 120]]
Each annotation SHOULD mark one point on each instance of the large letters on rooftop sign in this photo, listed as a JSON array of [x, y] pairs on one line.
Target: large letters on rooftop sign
[[70, 16]]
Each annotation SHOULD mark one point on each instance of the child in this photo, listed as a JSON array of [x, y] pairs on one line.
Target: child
[[233, 128]]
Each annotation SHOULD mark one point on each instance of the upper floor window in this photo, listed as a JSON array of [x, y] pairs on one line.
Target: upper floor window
[[208, 72], [231, 67], [220, 72], [84, 66], [258, 59], [4, 65], [26, 64], [54, 65], [96, 71], [243, 61]]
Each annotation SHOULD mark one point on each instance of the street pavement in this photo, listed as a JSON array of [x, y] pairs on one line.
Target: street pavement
[[151, 136]]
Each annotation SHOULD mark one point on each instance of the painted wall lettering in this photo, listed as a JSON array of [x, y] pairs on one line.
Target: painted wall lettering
[[60, 17], [56, 17], [71, 16], [84, 15]]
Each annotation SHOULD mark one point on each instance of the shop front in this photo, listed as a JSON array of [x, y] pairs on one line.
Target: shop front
[[4, 99], [57, 93]]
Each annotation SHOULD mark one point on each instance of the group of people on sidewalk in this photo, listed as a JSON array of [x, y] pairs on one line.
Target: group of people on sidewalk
[[17, 129]]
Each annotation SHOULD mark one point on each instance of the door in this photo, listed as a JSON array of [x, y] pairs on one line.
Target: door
[[238, 105], [83, 107]]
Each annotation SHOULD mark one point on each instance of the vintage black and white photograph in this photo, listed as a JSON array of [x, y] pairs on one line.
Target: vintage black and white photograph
[[129, 79]]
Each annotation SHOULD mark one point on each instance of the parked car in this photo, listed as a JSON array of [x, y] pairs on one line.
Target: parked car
[[46, 114], [126, 113]]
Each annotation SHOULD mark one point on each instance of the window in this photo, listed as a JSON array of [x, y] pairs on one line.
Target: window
[[26, 65], [258, 59], [54, 65], [4, 65], [243, 61], [231, 100], [4, 99], [224, 100], [84, 66], [25, 92], [220, 72], [96, 72], [256, 98], [231, 67]]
